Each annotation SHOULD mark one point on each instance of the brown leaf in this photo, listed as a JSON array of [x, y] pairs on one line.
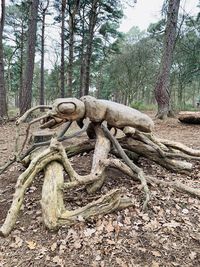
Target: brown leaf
[[121, 262], [109, 227], [156, 253], [54, 246], [192, 255], [89, 231], [154, 264], [58, 260], [77, 244], [172, 224], [17, 243], [31, 244]]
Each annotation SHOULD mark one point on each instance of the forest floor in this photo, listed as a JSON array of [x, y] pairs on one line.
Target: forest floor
[[167, 234]]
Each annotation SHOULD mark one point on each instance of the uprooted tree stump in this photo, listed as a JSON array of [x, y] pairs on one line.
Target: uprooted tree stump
[[109, 152]]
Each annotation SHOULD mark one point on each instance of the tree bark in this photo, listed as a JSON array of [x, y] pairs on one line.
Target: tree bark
[[162, 90], [29, 67], [86, 62], [191, 117], [22, 37], [62, 65], [3, 102], [44, 10], [72, 13]]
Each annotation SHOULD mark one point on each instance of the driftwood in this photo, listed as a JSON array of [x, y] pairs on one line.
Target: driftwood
[[53, 158], [189, 117]]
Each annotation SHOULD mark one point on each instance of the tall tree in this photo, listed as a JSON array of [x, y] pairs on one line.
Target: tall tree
[[16, 25], [3, 102], [162, 87], [43, 9], [86, 60], [62, 64], [25, 101], [73, 7]]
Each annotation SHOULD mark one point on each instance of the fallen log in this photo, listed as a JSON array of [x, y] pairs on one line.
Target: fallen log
[[191, 117]]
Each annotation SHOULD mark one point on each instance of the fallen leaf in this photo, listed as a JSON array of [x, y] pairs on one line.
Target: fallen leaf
[[98, 258], [121, 262], [154, 264], [172, 224], [58, 260], [17, 243], [156, 253], [185, 211], [31, 244], [127, 220], [62, 248], [192, 255], [54, 246], [109, 227], [89, 231], [77, 244], [142, 249]]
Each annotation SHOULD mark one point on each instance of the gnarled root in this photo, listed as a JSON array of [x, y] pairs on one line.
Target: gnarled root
[[55, 159], [131, 165], [24, 181]]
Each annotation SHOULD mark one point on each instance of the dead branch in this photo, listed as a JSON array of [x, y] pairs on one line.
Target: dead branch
[[116, 163], [106, 204], [28, 112], [130, 164]]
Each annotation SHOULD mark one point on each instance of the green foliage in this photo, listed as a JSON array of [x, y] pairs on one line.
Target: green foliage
[[123, 67], [142, 106]]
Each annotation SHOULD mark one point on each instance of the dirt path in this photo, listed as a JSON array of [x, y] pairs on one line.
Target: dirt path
[[168, 234]]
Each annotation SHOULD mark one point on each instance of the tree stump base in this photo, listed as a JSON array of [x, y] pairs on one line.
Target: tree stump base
[[41, 136]]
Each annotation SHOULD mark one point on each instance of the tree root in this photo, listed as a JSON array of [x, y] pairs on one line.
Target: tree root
[[117, 164], [54, 159], [131, 165], [108, 203]]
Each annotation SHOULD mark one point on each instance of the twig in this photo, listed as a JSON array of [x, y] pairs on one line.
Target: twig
[[7, 165], [65, 129], [129, 163], [28, 112], [28, 129]]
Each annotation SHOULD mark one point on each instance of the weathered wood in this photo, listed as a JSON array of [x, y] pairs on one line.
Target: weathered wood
[[23, 182], [54, 160], [108, 203], [102, 148], [131, 165], [52, 195], [189, 117], [116, 115], [147, 151]]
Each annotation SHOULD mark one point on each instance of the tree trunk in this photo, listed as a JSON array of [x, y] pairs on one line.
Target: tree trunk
[[72, 13], [21, 64], [162, 91], [3, 102], [93, 19], [29, 67], [62, 65], [87, 56], [81, 56], [44, 9]]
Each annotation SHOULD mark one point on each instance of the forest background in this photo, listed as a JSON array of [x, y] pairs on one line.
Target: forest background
[[90, 55]]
